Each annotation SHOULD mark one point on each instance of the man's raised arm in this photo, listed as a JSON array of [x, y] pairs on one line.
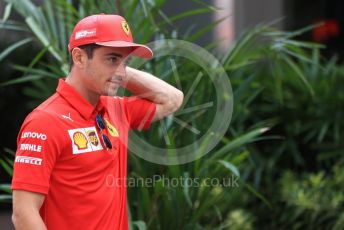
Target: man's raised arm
[[167, 98]]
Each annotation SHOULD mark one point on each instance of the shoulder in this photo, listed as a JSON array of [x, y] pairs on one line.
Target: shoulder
[[113, 102], [39, 121], [44, 116]]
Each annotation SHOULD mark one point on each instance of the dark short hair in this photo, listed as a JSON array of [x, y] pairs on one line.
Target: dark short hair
[[89, 49]]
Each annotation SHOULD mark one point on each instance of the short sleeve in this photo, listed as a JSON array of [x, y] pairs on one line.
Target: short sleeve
[[139, 112], [37, 151]]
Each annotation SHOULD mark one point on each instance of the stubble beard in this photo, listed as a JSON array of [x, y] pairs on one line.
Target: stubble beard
[[111, 91]]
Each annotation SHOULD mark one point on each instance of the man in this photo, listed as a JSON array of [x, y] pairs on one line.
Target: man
[[71, 144]]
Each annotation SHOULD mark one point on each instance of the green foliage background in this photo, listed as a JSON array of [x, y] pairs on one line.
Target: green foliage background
[[284, 142]]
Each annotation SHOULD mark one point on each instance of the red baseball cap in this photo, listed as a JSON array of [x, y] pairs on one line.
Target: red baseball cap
[[106, 30]]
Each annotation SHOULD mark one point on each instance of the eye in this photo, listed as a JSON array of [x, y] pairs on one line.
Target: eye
[[112, 59]]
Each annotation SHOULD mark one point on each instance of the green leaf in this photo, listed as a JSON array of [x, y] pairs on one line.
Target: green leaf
[[186, 189], [322, 132], [37, 71], [242, 42], [35, 60], [7, 12], [6, 166], [131, 8], [42, 37], [257, 194], [299, 73], [239, 142], [186, 14], [140, 224], [6, 188], [204, 30], [13, 47], [302, 30], [208, 6], [27, 78], [50, 15], [5, 197], [25, 8], [230, 167], [277, 75], [12, 26], [9, 151], [304, 44], [298, 56]]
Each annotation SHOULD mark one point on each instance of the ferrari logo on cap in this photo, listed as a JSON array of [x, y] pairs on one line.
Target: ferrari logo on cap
[[125, 27]]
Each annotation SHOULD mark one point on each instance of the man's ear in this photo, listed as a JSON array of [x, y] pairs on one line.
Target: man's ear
[[79, 57]]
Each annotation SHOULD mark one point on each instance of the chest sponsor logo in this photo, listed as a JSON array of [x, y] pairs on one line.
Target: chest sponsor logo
[[84, 140], [31, 147], [112, 130], [28, 160], [92, 136], [34, 135], [80, 140]]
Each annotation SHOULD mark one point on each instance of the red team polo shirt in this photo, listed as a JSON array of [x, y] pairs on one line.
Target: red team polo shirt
[[61, 154]]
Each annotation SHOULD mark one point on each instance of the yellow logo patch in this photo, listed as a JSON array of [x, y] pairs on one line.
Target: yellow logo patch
[[80, 140], [125, 27], [85, 140], [112, 130], [92, 137]]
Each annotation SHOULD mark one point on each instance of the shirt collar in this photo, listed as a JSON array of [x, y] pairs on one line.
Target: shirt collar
[[77, 101]]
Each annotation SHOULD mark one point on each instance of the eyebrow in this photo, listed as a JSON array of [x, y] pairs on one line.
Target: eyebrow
[[114, 54]]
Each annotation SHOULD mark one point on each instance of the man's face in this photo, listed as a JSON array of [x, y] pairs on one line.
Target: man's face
[[106, 69]]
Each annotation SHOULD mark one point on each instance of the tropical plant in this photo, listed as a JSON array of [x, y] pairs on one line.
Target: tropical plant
[[6, 163], [51, 63], [307, 130], [274, 78]]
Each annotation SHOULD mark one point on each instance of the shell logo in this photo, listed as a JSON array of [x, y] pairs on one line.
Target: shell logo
[[80, 140]]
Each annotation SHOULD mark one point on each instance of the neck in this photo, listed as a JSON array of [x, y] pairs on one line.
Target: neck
[[78, 84]]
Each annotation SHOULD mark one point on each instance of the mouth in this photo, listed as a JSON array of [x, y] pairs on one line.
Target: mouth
[[115, 81]]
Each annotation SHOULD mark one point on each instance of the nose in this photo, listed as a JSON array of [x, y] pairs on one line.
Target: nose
[[120, 70]]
